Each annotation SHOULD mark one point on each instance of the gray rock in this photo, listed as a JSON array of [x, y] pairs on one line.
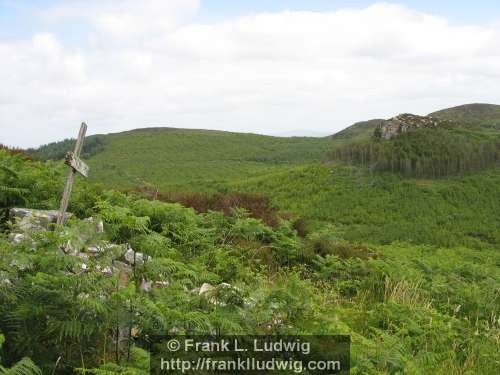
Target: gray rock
[[205, 288], [99, 224], [161, 284], [107, 270], [27, 219], [135, 258], [406, 122], [17, 238], [95, 250], [146, 285]]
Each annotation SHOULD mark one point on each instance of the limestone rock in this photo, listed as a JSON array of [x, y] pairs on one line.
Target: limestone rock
[[27, 219], [94, 250], [17, 238], [205, 288], [133, 257]]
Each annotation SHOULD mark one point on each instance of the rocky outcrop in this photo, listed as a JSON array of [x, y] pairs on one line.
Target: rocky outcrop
[[406, 122], [116, 259]]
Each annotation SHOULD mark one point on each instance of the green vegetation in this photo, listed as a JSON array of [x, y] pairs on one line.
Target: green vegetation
[[426, 153], [358, 132], [394, 242], [192, 160], [58, 150], [383, 207], [408, 308], [474, 115]]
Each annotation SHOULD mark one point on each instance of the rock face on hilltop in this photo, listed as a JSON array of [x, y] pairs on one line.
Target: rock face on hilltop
[[403, 123]]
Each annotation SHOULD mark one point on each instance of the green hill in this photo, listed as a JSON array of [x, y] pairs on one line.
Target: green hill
[[423, 146], [360, 131], [478, 114], [188, 160]]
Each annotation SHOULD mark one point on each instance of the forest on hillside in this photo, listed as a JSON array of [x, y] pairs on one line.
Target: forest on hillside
[[431, 153]]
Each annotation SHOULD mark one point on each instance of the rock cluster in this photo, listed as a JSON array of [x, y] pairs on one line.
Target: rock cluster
[[403, 123], [121, 259]]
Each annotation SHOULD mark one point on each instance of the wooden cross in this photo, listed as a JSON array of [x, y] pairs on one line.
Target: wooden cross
[[76, 166]]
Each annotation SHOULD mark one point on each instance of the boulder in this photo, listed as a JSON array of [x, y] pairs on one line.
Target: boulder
[[17, 238], [205, 288], [31, 220], [133, 257], [94, 250]]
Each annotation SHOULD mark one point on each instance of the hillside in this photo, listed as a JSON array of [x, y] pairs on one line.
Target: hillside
[[423, 146], [181, 159], [477, 115], [360, 131], [383, 207], [204, 160]]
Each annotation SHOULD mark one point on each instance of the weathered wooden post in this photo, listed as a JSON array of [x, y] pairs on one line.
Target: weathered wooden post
[[76, 166]]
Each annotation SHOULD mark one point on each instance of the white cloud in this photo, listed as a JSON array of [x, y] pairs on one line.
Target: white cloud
[[147, 63]]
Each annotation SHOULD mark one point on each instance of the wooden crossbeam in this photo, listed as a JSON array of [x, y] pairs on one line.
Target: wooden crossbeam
[[77, 164]]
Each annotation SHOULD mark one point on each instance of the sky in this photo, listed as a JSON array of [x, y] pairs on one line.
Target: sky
[[273, 67]]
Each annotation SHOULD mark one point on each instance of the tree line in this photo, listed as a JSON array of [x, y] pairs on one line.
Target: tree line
[[425, 153], [58, 150]]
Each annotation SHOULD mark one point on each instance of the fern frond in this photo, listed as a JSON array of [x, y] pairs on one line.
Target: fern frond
[[24, 367], [9, 171]]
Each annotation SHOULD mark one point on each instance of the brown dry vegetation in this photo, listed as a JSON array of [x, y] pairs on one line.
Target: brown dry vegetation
[[257, 205]]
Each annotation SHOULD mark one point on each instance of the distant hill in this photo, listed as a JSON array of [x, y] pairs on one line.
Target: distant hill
[[171, 159], [360, 131], [455, 141], [187, 159], [478, 114]]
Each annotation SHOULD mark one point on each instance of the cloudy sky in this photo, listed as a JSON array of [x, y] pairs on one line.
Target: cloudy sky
[[264, 66]]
